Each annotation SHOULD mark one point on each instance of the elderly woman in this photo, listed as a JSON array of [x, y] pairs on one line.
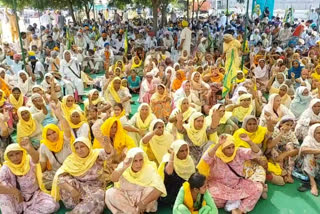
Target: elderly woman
[[29, 125], [185, 91], [147, 88], [262, 75], [242, 108], [308, 118], [176, 167], [55, 147], [196, 132], [301, 101], [138, 185], [79, 125], [224, 165], [78, 181], [21, 187], [116, 93], [157, 142], [310, 152], [70, 71]]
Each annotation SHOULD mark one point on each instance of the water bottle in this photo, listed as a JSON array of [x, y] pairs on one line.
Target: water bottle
[[300, 176]]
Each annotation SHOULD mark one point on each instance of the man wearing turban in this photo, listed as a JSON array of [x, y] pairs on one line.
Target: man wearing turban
[[185, 37]]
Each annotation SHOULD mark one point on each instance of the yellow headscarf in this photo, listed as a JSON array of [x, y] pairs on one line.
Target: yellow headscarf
[[157, 96], [82, 118], [16, 103], [25, 128], [188, 200], [121, 140], [184, 168], [75, 165], [240, 112], [147, 176], [243, 77], [158, 145], [3, 99], [204, 168], [52, 146], [134, 65], [198, 137], [113, 92], [24, 167], [67, 110], [116, 66], [256, 137], [187, 113], [139, 123], [94, 102]]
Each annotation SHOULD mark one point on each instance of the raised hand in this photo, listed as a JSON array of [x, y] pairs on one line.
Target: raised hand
[[127, 163], [179, 116], [25, 144], [244, 137]]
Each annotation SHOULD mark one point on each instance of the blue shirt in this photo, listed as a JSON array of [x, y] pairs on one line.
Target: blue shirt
[[134, 84]]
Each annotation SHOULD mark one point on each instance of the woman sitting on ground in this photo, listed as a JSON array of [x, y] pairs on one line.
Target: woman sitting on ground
[[194, 197], [21, 187]]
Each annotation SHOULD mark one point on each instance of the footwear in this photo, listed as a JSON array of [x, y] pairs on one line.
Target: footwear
[[304, 187]]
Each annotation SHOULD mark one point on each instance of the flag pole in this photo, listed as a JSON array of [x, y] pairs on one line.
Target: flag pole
[[20, 39], [245, 35]]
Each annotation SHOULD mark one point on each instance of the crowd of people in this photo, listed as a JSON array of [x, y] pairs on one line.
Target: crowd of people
[[219, 115]]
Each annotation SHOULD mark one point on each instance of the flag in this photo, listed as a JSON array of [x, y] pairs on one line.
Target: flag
[[230, 75], [126, 41]]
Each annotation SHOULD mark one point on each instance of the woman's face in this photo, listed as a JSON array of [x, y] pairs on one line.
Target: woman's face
[[113, 129], [295, 64], [262, 63], [117, 110], [178, 75], [196, 77], [222, 111], [117, 72], [187, 86], [287, 126], [160, 89], [203, 189], [159, 127], [245, 102], [144, 112], [15, 157], [198, 123], [183, 152], [283, 68], [136, 60], [185, 105], [317, 134], [239, 76], [48, 79], [67, 56], [95, 95], [70, 101], [16, 94], [81, 149], [305, 92], [52, 136], [23, 76], [149, 78], [93, 113], [252, 125], [280, 78], [229, 150], [277, 102], [36, 90], [282, 91], [137, 162], [116, 84], [25, 115], [75, 118], [316, 108]]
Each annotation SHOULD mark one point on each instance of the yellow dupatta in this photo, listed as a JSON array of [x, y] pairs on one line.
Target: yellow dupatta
[[82, 118], [113, 92], [24, 167], [3, 99], [240, 112], [75, 165], [186, 115], [68, 110], [121, 140], [134, 65], [256, 137], [144, 125], [116, 66], [94, 102], [204, 168], [123, 113], [52, 146], [188, 200], [147, 176], [243, 77], [158, 145], [16, 103], [25, 128], [198, 137], [184, 168]]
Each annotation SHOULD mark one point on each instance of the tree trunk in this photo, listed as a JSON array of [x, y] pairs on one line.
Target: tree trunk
[[164, 13], [197, 14], [72, 12], [87, 10], [155, 15], [192, 12], [187, 10]]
